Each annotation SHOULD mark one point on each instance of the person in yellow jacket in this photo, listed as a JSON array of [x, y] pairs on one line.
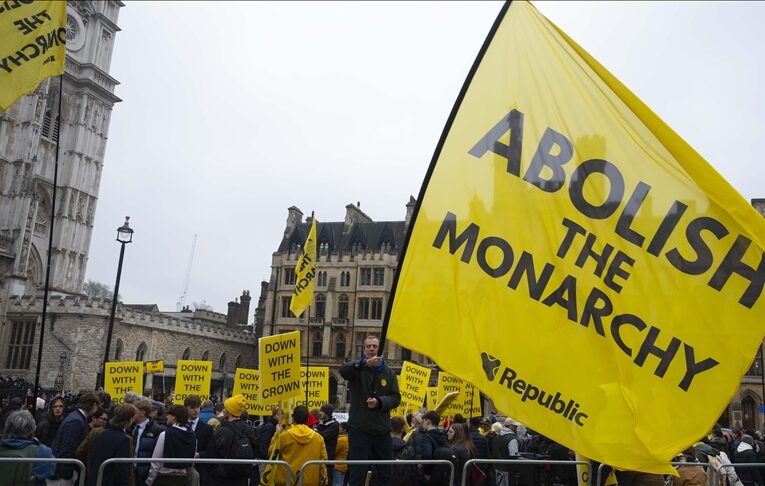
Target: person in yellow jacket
[[298, 445], [341, 454]]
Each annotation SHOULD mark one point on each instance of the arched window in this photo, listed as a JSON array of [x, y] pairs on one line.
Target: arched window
[[206, 356], [322, 279], [118, 350], [342, 307], [140, 353], [323, 248], [238, 362], [345, 279], [316, 344], [186, 354], [320, 305], [340, 346], [222, 362], [386, 246]]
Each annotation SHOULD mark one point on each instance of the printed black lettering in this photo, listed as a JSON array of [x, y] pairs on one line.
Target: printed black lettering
[[468, 237], [513, 123], [615, 270], [623, 319], [507, 256], [564, 296], [572, 229], [593, 311], [667, 226], [692, 368], [665, 355], [544, 158], [629, 212], [587, 252], [732, 263], [526, 266], [704, 257], [615, 192]]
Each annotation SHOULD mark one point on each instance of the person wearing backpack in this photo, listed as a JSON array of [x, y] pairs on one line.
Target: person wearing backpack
[[329, 430], [18, 441], [298, 445], [234, 439], [460, 440]]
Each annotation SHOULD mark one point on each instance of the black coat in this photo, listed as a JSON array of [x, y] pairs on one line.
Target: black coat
[[69, 436], [748, 475], [365, 382], [329, 430], [480, 444], [205, 448], [111, 443], [224, 437], [145, 449]]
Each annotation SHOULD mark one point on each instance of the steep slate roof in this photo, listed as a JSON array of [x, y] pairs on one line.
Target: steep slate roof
[[372, 234]]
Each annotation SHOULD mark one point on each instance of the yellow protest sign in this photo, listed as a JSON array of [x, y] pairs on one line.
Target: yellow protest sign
[[247, 384], [432, 397], [413, 384], [561, 212], [448, 383], [121, 377], [471, 401], [192, 378], [157, 366], [279, 367], [318, 386], [305, 269], [32, 46]]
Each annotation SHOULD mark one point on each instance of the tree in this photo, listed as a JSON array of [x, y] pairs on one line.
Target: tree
[[96, 291], [202, 306]]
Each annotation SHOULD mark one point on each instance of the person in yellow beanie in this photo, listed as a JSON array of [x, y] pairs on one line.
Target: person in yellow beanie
[[234, 439], [298, 445]]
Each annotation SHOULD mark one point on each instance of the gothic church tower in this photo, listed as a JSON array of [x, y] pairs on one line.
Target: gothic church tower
[[28, 135]]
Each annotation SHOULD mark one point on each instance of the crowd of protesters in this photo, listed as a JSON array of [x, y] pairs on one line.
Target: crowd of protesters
[[91, 428]]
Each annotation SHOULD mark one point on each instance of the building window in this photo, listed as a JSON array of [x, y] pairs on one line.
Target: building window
[[363, 308], [345, 279], [320, 305], [140, 353], [340, 346], [222, 362], [238, 362], [20, 345], [289, 276], [321, 279], [206, 356], [118, 350], [186, 354], [316, 344], [386, 246], [342, 307], [286, 312], [356, 247], [377, 311], [379, 277], [50, 127], [323, 248], [365, 276], [406, 354], [360, 336]]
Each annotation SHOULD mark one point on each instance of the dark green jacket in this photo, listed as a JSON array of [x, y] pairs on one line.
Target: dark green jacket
[[364, 382]]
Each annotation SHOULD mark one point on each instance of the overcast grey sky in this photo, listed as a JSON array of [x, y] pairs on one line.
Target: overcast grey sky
[[232, 112]]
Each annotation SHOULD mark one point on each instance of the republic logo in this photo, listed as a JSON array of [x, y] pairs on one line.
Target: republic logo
[[490, 365]]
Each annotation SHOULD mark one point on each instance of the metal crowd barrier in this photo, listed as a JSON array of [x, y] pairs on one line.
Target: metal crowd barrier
[[699, 464], [736, 465], [391, 462], [522, 462], [80, 466], [145, 460]]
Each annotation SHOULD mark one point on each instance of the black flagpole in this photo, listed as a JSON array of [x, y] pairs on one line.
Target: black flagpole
[[308, 325], [50, 237]]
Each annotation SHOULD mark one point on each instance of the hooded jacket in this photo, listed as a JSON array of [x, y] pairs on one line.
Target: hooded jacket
[[46, 430], [297, 445], [365, 382], [19, 473]]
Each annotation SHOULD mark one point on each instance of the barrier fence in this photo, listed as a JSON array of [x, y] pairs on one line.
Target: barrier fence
[[523, 462], [37, 460], [146, 460], [380, 462]]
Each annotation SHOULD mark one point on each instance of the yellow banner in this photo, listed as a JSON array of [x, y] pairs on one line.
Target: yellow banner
[[318, 386], [279, 366], [448, 383], [432, 397], [247, 384], [305, 269], [121, 377], [413, 384], [589, 265], [32, 46], [155, 366], [192, 378]]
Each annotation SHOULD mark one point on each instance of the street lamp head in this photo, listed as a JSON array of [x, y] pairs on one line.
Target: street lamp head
[[124, 232]]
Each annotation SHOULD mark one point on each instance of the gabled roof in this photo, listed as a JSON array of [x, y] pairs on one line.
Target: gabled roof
[[372, 234]]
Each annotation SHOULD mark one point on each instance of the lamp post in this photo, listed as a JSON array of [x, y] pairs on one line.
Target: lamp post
[[124, 236]]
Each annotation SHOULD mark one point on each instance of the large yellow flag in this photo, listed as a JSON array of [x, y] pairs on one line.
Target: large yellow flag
[[32, 46], [304, 274], [576, 260]]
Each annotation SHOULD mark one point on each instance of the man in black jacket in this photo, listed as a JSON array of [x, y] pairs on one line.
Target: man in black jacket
[[72, 432], [203, 433], [374, 393], [329, 430], [230, 432]]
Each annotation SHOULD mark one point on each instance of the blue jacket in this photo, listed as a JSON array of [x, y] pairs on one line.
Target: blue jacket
[[69, 436], [40, 471], [145, 449], [206, 414]]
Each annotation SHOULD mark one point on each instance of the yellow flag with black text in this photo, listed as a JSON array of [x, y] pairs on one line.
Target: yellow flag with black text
[[576, 260], [32, 46], [305, 270]]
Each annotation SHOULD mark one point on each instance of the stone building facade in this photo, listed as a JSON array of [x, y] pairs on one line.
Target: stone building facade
[[357, 259], [75, 337]]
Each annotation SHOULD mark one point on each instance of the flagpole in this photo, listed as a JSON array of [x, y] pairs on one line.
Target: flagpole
[[50, 237], [308, 334]]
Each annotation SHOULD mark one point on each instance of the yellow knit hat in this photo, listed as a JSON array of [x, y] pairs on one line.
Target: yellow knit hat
[[235, 405]]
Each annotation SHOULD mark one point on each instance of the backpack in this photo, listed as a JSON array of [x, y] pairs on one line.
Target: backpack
[[442, 472], [240, 448], [18, 473]]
